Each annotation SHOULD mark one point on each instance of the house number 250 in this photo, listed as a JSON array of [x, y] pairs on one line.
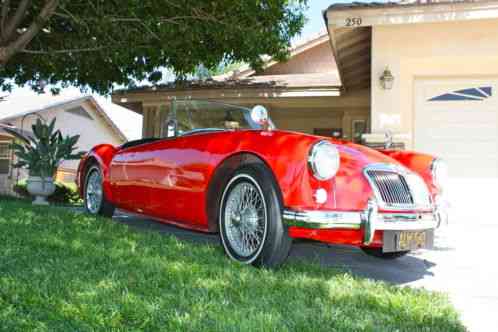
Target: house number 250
[[353, 21]]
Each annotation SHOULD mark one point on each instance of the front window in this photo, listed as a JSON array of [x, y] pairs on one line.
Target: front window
[[4, 157], [195, 116]]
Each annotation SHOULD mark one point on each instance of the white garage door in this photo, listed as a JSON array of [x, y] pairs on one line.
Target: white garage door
[[457, 119]]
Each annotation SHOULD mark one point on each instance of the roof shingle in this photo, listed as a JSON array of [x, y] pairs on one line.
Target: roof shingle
[[391, 4]]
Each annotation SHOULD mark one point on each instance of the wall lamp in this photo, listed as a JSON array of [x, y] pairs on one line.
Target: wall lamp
[[386, 79]]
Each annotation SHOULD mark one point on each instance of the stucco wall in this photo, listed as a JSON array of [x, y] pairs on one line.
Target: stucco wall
[[5, 185], [435, 50], [92, 131], [306, 120]]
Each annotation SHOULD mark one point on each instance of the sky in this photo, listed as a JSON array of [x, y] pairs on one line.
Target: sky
[[314, 15]]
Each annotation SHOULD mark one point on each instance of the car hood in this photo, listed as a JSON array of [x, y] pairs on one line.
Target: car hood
[[361, 156], [351, 154]]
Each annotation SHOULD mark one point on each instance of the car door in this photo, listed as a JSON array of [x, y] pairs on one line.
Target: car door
[[128, 177], [178, 180]]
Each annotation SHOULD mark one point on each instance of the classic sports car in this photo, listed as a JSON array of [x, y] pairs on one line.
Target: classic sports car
[[227, 169]]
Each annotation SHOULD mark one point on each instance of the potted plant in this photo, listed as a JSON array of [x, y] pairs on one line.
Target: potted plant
[[41, 155]]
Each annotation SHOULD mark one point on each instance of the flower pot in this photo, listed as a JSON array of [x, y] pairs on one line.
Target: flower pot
[[41, 188]]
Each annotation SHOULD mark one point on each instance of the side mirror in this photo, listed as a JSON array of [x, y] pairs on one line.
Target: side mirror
[[259, 115], [171, 128]]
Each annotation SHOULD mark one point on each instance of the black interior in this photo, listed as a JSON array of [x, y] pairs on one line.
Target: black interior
[[139, 142], [202, 131]]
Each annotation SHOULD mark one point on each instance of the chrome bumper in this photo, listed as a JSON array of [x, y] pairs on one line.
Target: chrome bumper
[[370, 220]]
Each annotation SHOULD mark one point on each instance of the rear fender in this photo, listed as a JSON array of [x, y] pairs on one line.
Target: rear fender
[[102, 156]]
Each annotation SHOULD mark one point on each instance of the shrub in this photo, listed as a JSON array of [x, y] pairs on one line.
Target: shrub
[[65, 193]]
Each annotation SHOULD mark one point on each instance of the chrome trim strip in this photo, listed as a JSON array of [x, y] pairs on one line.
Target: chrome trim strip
[[370, 219], [323, 219], [405, 222]]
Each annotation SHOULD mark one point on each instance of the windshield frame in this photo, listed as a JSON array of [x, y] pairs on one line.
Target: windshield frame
[[171, 122]]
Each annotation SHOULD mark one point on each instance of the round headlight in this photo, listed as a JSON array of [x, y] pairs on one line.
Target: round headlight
[[439, 173], [324, 160]]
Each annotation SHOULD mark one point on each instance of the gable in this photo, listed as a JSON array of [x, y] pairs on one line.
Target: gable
[[317, 59], [80, 111]]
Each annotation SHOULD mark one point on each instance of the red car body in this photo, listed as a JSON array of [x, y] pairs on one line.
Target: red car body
[[178, 180]]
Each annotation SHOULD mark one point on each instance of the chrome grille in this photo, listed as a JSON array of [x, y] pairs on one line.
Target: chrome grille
[[397, 188], [392, 187]]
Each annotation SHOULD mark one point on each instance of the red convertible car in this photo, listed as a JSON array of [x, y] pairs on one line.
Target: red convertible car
[[227, 169]]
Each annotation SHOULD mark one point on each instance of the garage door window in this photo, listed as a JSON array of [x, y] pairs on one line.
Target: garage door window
[[478, 93], [5, 155]]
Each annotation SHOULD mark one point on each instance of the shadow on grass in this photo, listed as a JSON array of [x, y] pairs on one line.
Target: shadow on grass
[[400, 271], [65, 271]]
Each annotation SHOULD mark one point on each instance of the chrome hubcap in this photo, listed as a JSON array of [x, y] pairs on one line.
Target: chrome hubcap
[[245, 219], [94, 192]]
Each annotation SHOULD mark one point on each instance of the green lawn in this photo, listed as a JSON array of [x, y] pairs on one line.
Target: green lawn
[[61, 271]]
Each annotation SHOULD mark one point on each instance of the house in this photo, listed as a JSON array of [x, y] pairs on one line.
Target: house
[[425, 71], [80, 115], [443, 57], [302, 94]]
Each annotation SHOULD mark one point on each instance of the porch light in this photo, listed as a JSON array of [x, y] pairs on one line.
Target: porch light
[[387, 79]]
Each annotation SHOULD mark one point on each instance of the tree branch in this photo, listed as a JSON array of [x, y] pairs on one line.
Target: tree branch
[[116, 46], [71, 16], [26, 37], [14, 22], [5, 12], [74, 50], [172, 20]]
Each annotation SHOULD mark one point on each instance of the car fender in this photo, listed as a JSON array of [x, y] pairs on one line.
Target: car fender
[[222, 174], [419, 163], [101, 155]]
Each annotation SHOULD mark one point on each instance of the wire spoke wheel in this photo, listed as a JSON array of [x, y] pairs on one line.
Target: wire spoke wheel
[[250, 224], [94, 192], [245, 219]]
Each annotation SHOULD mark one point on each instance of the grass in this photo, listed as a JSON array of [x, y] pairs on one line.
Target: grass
[[62, 271]]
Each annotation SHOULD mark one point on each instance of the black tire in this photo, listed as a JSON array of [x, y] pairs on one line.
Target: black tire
[[377, 252], [274, 248], [105, 209]]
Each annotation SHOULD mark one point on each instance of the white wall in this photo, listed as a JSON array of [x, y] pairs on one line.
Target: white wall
[[433, 50]]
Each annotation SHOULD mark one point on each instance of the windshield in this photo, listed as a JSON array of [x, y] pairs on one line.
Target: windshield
[[194, 116]]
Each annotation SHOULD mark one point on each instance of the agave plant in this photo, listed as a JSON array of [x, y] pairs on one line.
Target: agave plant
[[44, 152]]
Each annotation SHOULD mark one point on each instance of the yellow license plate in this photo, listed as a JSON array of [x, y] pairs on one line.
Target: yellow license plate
[[411, 240]]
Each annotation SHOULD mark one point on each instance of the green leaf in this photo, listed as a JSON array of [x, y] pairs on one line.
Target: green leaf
[[51, 127]]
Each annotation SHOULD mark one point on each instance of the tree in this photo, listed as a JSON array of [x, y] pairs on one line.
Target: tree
[[224, 68], [99, 43], [201, 72]]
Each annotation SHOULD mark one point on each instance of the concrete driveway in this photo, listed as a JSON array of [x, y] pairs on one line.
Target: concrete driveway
[[463, 263]]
